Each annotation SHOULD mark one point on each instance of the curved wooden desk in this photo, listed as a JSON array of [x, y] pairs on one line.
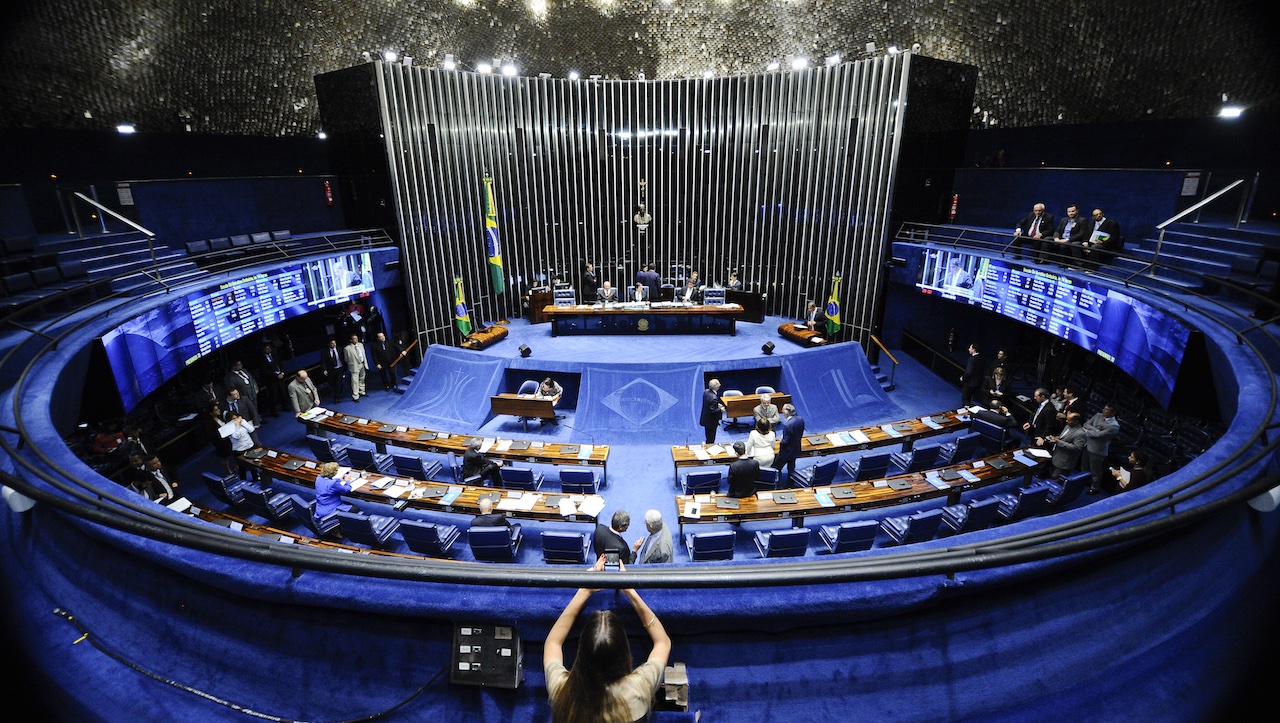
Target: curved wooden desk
[[659, 318], [803, 337]]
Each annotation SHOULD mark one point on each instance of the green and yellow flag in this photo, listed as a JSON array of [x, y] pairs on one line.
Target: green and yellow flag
[[461, 316], [833, 307], [491, 236]]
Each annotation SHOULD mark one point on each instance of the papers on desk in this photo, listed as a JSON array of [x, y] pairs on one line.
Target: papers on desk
[[395, 492], [357, 484], [1020, 457], [584, 452], [692, 509], [524, 503], [824, 498], [591, 506], [838, 438], [816, 340], [928, 421], [715, 450], [503, 445], [764, 495], [968, 476], [451, 495], [525, 396], [932, 478], [974, 409], [889, 430], [859, 436], [699, 452], [567, 508], [801, 327], [537, 445], [363, 420], [486, 445], [383, 482], [182, 504], [1039, 453]]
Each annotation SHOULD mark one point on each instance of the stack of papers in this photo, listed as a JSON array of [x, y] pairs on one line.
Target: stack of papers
[[451, 495], [503, 446], [486, 445], [396, 491], [699, 452], [859, 436], [383, 482], [932, 478], [930, 423], [523, 503], [1020, 457], [824, 499], [591, 506], [692, 509], [567, 508], [889, 430], [838, 439], [969, 476], [584, 452], [715, 450]]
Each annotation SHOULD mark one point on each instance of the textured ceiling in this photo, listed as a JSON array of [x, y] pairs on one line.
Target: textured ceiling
[[246, 66]]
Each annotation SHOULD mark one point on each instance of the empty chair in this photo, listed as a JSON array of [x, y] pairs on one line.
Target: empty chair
[[371, 530], [305, 511], [920, 458], [528, 386], [579, 481], [220, 244], [818, 475], [793, 542], [962, 449], [565, 547], [494, 544], [700, 482], [870, 466], [1066, 491], [411, 465], [194, 248], [709, 545], [260, 237], [994, 438], [973, 515], [240, 239], [733, 421], [265, 503], [768, 479], [762, 389], [849, 536], [427, 538], [1030, 500], [520, 478], [370, 460], [916, 527], [226, 488], [281, 235], [325, 449]]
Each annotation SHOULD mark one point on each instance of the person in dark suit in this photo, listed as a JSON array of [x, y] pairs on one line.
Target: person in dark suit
[[210, 424], [690, 294], [374, 323], [234, 404], [971, 380], [1070, 403], [1043, 421], [474, 463], [271, 373], [241, 379], [650, 280], [386, 352], [639, 292], [607, 293], [333, 368], [788, 444], [1104, 240], [743, 473], [208, 394], [1068, 238], [1033, 230], [712, 410], [489, 518], [1099, 431], [609, 539], [1139, 472], [153, 480], [734, 284], [813, 317], [589, 285]]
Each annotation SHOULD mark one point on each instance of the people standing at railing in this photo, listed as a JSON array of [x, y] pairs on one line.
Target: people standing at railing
[[1032, 231]]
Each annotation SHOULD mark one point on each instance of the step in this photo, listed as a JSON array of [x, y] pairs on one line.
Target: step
[[1223, 244], [92, 254], [1234, 255], [1203, 266], [1267, 234], [133, 264], [173, 274], [1168, 278], [70, 242]]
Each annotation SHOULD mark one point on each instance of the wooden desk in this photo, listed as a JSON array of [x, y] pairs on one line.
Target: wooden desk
[[538, 300], [803, 337], [752, 305], [253, 528], [912, 430], [745, 405], [484, 338], [526, 405], [467, 501], [660, 318], [372, 430], [867, 494]]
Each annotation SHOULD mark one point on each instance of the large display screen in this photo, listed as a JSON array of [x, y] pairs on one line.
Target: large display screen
[[150, 349], [1143, 341]]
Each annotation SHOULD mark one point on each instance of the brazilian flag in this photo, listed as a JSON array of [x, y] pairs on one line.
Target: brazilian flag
[[833, 307], [460, 314], [491, 236]]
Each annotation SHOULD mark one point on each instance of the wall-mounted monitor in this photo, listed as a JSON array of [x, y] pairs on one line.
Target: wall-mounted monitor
[[1145, 342]]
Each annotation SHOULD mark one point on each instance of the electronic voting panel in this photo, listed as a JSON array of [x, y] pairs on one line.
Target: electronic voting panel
[[486, 654]]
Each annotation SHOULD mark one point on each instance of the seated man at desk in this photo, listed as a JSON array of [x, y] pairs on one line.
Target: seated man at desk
[[639, 292], [733, 284], [549, 389], [489, 518], [690, 294], [607, 293], [476, 464], [766, 410]]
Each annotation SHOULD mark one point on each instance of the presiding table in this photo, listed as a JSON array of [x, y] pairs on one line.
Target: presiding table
[[801, 334], [664, 317]]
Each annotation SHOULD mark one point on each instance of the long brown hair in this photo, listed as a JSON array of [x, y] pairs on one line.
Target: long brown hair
[[604, 657]]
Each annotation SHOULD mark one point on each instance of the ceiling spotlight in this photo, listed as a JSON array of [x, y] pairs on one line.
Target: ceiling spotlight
[[484, 68], [892, 50], [915, 47], [573, 75], [125, 128], [389, 56], [544, 76], [640, 75], [707, 74], [799, 63], [322, 135], [871, 48], [833, 59], [509, 70], [773, 66], [407, 60], [1230, 111], [367, 57], [449, 63]]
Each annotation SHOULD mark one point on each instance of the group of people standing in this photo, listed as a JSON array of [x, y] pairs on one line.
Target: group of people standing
[[770, 425]]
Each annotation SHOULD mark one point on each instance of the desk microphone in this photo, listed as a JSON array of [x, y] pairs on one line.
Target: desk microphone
[[580, 431]]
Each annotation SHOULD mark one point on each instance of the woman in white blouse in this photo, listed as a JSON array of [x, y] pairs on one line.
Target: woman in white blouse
[[760, 443]]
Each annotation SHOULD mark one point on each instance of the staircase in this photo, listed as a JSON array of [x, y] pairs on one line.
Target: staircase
[[1248, 256], [116, 254]]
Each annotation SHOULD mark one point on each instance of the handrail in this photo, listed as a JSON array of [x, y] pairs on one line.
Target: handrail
[[1194, 207], [883, 348], [150, 236], [893, 370]]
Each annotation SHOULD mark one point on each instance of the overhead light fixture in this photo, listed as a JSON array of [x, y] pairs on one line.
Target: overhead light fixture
[[509, 70], [367, 56], [390, 56], [771, 67], [322, 135], [573, 75], [799, 63], [871, 48], [126, 128], [708, 74], [484, 68], [892, 50], [449, 63], [1231, 111], [915, 47], [407, 60], [833, 59], [640, 75]]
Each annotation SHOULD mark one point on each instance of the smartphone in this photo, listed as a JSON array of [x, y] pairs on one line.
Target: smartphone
[[611, 561]]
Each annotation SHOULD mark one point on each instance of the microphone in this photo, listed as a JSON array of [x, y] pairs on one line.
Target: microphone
[[581, 431]]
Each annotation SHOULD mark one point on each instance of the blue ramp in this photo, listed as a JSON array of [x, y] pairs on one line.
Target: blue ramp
[[450, 389], [834, 387]]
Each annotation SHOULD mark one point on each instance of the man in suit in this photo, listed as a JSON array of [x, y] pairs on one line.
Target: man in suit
[[1033, 230], [303, 394], [357, 367], [333, 367], [766, 410], [234, 405], [209, 395], [607, 293], [1068, 446], [152, 479], [650, 280], [1043, 421], [1070, 403], [1099, 431], [271, 372], [712, 409], [489, 518], [734, 284], [788, 444], [476, 464], [386, 352], [743, 473], [239, 378], [639, 292], [1068, 238], [1104, 240], [656, 546], [813, 316], [971, 380], [609, 539], [690, 294], [589, 286]]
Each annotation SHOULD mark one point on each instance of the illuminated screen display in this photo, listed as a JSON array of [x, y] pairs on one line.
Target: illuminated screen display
[[150, 349], [1140, 339]]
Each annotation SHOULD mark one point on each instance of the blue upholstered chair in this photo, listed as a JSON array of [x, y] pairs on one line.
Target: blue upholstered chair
[[920, 458], [324, 449], [964, 448], [370, 460], [520, 478], [228, 489], [428, 539], [455, 467], [1030, 500], [411, 465], [579, 481], [994, 439], [762, 389], [768, 479], [849, 536], [1065, 492], [871, 466], [916, 527], [792, 542], [972, 515], [700, 482], [495, 544], [710, 545], [305, 511], [265, 503], [371, 530], [818, 475], [733, 421], [565, 547]]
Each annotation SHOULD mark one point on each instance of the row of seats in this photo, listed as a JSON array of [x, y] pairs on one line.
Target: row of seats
[[231, 243], [26, 287], [1039, 496], [573, 480]]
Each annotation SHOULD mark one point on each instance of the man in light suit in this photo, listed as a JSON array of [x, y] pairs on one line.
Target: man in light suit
[[639, 292], [357, 367], [607, 293], [1099, 431], [1034, 230], [1068, 446], [766, 410], [656, 546], [303, 394]]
